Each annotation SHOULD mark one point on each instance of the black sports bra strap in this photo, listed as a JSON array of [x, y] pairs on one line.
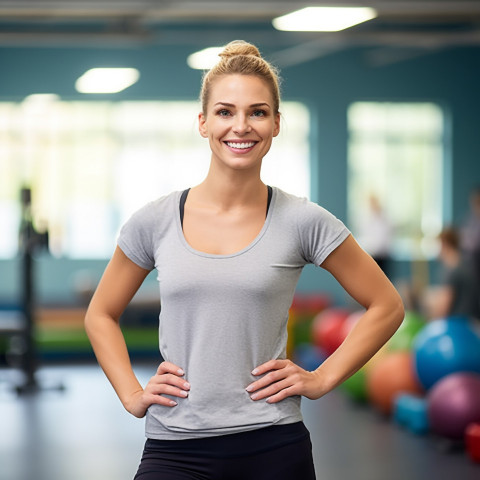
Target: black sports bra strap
[[270, 193], [183, 199]]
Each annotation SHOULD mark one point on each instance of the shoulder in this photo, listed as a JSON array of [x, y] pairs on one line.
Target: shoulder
[[139, 236], [152, 219], [318, 231], [155, 213], [301, 207]]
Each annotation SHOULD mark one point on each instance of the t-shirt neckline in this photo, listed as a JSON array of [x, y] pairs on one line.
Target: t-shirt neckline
[[252, 244]]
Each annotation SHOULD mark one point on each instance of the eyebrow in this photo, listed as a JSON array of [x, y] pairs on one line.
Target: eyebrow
[[254, 105]]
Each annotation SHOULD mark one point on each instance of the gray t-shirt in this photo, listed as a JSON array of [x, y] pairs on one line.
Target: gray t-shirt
[[223, 315]]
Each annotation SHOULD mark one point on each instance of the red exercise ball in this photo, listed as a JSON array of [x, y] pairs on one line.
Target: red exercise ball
[[391, 375], [328, 329], [472, 441]]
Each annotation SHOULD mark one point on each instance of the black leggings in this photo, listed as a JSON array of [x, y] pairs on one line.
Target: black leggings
[[234, 457]]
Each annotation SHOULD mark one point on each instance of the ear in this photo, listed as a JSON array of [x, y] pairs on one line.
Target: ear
[[202, 125], [276, 127]]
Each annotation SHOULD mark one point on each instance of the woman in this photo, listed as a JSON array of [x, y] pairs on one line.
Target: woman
[[225, 403], [457, 295]]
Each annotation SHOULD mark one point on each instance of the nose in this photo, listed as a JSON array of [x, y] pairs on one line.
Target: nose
[[241, 125]]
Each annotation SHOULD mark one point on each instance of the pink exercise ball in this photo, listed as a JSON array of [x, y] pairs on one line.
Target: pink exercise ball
[[454, 403]]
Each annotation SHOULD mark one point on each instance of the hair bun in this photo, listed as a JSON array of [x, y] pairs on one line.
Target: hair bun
[[239, 47]]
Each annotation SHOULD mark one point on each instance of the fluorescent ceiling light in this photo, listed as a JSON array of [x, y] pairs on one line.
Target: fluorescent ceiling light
[[43, 98], [323, 19], [106, 80], [204, 59]]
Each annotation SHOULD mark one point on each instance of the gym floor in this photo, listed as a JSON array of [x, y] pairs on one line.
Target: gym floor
[[83, 433]]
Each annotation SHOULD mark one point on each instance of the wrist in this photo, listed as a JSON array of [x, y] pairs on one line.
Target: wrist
[[132, 404], [324, 381]]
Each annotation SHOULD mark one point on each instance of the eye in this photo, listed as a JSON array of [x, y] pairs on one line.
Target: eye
[[259, 113], [223, 112]]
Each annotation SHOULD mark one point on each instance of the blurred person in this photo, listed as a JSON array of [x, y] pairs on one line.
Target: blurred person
[[376, 233], [470, 232], [457, 294]]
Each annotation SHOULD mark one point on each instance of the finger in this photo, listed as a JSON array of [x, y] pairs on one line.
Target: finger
[[166, 390], [272, 389], [159, 400], [282, 395], [268, 366], [170, 379], [168, 367], [267, 380]]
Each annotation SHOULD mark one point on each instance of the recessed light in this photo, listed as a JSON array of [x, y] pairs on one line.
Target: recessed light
[[323, 19], [106, 80], [204, 59]]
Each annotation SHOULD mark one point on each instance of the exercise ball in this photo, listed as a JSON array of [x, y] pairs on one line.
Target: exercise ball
[[454, 403], [446, 346], [328, 329], [308, 356], [403, 338], [356, 386], [391, 375]]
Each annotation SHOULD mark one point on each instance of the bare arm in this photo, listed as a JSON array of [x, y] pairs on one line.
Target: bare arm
[[361, 277], [364, 281], [120, 281]]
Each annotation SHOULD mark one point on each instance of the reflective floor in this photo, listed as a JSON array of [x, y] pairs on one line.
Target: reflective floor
[[83, 433]]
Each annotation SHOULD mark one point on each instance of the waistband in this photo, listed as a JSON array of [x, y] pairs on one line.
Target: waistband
[[234, 445]]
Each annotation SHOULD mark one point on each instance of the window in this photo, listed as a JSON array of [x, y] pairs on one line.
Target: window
[[396, 154], [90, 165]]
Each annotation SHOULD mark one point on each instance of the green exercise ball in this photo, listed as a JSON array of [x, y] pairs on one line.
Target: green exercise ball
[[356, 386], [402, 339]]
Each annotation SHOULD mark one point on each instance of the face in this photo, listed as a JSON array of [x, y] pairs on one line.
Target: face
[[240, 121]]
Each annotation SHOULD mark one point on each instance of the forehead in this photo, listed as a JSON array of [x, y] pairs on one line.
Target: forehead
[[240, 89]]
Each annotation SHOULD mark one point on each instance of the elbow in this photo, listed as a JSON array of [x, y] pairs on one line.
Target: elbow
[[397, 311], [97, 318], [91, 321], [88, 322]]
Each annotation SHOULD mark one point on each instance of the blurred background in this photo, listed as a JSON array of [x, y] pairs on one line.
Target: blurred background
[[380, 126]]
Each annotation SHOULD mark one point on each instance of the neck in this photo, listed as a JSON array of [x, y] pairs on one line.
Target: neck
[[231, 189]]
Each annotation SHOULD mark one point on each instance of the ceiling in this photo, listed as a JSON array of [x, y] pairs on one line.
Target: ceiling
[[403, 28]]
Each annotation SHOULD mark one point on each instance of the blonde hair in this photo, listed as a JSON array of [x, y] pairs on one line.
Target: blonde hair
[[242, 58]]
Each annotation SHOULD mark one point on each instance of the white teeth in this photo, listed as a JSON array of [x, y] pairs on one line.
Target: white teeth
[[240, 145]]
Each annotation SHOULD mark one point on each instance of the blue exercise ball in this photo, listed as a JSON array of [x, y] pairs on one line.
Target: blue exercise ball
[[446, 346], [308, 356]]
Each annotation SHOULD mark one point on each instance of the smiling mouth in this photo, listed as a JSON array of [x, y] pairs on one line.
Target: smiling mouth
[[240, 145]]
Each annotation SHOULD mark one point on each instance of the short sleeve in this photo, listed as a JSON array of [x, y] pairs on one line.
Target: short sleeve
[[320, 232], [136, 238]]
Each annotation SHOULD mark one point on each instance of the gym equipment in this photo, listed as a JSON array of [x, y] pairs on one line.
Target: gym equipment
[[403, 338], [302, 312], [356, 387], [410, 411], [472, 441], [454, 403], [391, 375], [308, 356], [23, 339], [443, 347], [328, 329]]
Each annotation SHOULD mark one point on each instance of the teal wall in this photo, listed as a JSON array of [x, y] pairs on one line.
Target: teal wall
[[327, 85]]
